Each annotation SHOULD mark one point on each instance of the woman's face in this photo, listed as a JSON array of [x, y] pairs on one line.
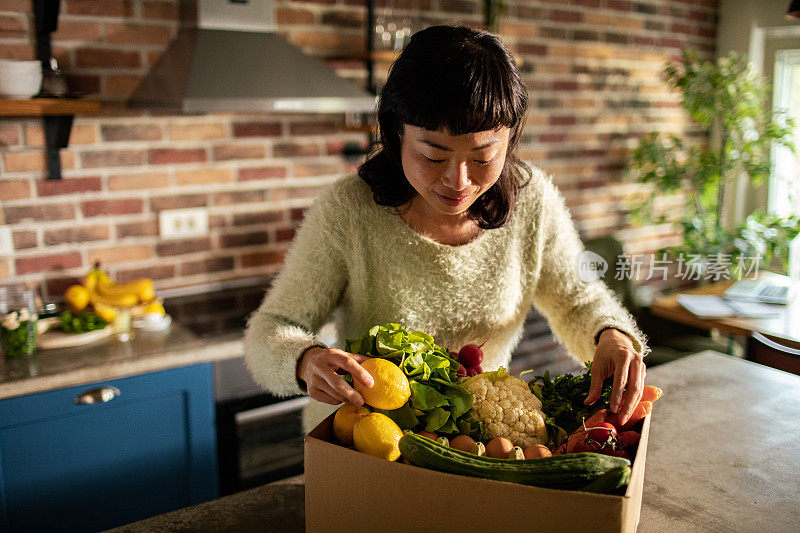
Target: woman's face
[[451, 171]]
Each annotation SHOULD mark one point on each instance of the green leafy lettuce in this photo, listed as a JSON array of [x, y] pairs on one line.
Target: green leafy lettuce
[[437, 402]]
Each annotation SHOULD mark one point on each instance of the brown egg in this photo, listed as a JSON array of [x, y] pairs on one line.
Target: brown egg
[[537, 451], [463, 443], [499, 447]]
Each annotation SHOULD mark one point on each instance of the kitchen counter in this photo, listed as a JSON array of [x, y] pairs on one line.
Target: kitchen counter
[[109, 359], [722, 457]]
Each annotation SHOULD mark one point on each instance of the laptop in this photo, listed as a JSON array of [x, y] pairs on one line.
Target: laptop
[[779, 290]]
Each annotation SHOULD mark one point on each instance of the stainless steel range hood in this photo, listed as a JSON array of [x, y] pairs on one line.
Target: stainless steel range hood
[[227, 58]]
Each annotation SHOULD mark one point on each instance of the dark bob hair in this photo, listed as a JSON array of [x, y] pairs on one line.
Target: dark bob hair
[[460, 80]]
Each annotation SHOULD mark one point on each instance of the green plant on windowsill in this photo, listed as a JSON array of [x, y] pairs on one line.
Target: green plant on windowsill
[[728, 100]]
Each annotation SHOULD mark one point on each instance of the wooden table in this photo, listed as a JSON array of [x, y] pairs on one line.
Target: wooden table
[[784, 328], [722, 457]]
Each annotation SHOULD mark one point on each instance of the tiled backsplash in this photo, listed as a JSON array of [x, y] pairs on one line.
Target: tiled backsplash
[[593, 66]]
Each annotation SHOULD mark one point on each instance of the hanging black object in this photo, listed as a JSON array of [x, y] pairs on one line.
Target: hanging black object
[[793, 13]]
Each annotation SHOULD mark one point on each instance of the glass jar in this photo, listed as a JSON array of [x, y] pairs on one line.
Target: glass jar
[[18, 322]]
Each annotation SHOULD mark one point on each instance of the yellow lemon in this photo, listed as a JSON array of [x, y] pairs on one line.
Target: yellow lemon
[[377, 434], [391, 389], [77, 297], [106, 312], [344, 420], [155, 307]]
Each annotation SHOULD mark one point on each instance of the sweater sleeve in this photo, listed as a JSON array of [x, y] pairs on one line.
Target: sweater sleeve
[[301, 299], [576, 310]]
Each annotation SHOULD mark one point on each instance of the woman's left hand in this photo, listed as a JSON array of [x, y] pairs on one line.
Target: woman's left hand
[[616, 355]]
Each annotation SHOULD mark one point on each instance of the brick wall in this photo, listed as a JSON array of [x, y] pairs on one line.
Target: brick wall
[[594, 67]]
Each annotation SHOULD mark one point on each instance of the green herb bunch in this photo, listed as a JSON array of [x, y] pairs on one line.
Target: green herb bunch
[[562, 398], [437, 402], [82, 322]]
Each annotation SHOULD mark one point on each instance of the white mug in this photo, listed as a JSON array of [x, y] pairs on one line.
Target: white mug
[[20, 79]]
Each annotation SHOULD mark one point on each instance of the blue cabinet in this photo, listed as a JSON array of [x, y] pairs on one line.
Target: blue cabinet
[[71, 466]]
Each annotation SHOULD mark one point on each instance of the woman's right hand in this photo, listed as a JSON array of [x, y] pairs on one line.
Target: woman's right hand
[[318, 368]]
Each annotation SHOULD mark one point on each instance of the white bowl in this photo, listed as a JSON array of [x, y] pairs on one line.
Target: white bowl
[[20, 79]]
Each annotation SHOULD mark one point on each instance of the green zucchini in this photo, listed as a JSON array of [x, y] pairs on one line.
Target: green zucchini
[[569, 471], [615, 481]]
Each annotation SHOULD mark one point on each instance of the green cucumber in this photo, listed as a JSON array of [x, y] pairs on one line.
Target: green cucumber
[[615, 481], [569, 471]]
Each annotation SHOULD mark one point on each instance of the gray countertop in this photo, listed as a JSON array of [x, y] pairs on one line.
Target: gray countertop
[[722, 456], [110, 359]]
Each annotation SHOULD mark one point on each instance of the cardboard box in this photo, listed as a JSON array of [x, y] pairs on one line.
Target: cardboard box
[[351, 491]]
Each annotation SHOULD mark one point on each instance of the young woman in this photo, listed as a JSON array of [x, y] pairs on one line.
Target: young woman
[[443, 230]]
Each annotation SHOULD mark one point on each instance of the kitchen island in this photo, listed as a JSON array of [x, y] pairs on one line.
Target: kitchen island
[[722, 457]]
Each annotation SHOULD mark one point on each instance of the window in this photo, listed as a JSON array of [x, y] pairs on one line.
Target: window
[[784, 186]]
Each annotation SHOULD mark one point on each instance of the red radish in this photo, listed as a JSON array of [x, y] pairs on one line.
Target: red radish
[[474, 371], [471, 355], [461, 372], [603, 432]]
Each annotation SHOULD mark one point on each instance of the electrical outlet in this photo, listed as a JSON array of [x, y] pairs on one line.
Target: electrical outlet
[[6, 241], [180, 223]]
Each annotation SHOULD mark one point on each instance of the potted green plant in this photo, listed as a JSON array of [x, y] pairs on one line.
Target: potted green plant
[[728, 100]]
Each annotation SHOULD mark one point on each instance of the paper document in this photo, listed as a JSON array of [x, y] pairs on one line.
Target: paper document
[[707, 306]]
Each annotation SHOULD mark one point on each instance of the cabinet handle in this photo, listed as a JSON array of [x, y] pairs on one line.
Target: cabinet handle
[[98, 395]]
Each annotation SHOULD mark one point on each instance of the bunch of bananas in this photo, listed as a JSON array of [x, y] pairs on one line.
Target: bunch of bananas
[[105, 294]]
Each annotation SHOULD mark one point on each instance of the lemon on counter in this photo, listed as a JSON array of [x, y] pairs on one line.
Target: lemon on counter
[[377, 434], [106, 312], [77, 297], [391, 389]]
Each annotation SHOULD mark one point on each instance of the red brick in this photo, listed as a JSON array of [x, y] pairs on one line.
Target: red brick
[[140, 180], [167, 248], [304, 170], [154, 272], [239, 151], [272, 257], [343, 19], [239, 197], [619, 5], [289, 149], [314, 128], [112, 158], [258, 217], [24, 240], [76, 234], [72, 29], [106, 8], [257, 129], [294, 16], [17, 5], [10, 135], [148, 228], [120, 254], [298, 213], [45, 263], [127, 206], [196, 132], [25, 52], [106, 57], [560, 120], [284, 234], [206, 266], [163, 203], [84, 83], [37, 213], [12, 26], [160, 10], [129, 33], [46, 187], [236, 240], [80, 134], [459, 6], [166, 156], [123, 84], [14, 189], [561, 15], [131, 132], [261, 173], [204, 176]]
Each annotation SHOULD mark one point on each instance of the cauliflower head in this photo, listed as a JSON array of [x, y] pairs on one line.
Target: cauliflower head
[[507, 408]]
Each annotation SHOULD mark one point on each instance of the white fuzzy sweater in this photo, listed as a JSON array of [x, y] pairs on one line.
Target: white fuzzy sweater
[[361, 263]]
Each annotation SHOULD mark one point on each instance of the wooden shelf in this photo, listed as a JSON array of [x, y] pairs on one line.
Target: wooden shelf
[[37, 107]]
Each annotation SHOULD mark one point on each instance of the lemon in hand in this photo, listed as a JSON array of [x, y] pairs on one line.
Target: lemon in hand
[[344, 420], [377, 434], [391, 389]]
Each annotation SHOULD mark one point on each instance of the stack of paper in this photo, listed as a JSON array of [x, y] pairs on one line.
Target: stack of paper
[[709, 306]]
